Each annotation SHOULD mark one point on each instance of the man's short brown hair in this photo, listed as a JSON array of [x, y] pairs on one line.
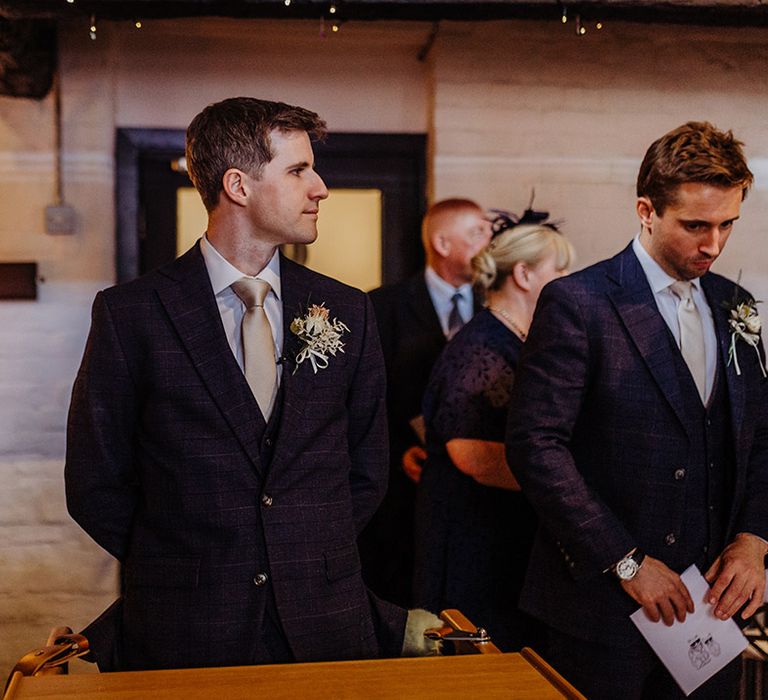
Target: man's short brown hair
[[235, 133], [693, 152]]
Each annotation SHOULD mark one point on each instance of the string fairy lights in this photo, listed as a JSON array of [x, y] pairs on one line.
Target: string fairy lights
[[335, 22], [333, 9], [580, 25]]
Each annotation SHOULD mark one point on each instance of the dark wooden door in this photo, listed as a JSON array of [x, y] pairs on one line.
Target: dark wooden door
[[147, 185]]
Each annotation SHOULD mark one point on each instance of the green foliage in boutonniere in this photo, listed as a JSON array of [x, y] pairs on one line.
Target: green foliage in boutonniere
[[320, 336], [745, 324]]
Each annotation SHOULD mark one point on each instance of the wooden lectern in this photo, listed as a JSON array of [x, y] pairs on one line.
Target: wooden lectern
[[478, 670]]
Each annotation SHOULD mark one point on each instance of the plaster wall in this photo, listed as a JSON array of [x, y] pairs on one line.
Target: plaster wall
[[530, 105]]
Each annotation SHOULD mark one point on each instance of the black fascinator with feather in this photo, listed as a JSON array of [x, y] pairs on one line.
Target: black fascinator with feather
[[502, 220]]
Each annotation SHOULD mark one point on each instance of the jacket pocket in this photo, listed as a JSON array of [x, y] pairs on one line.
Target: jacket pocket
[[163, 572], [341, 562]]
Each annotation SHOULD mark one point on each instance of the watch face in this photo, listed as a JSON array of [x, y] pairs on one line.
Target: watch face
[[626, 569]]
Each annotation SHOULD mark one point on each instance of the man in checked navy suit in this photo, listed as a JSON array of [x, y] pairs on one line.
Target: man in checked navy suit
[[235, 519], [638, 441]]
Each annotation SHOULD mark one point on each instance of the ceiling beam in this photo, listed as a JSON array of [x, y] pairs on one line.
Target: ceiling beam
[[696, 12]]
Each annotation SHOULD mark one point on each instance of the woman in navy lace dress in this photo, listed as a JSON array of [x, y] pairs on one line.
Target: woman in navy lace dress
[[474, 528]]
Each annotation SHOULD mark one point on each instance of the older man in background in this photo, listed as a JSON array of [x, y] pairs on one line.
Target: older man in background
[[416, 318]]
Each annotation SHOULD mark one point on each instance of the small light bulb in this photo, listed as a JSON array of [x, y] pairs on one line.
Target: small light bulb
[[564, 18], [137, 24], [332, 9], [582, 30], [71, 2], [599, 25], [335, 28], [287, 3]]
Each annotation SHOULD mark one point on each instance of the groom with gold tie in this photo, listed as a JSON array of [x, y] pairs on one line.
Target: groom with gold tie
[[227, 435]]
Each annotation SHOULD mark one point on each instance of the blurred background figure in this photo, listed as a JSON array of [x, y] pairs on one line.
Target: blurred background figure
[[474, 529], [415, 319]]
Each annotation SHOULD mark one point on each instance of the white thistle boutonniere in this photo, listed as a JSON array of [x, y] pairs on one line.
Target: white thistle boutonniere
[[320, 335], [745, 325]]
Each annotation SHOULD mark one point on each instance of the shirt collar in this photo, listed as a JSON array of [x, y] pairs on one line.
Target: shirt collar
[[658, 279], [223, 273], [443, 288]]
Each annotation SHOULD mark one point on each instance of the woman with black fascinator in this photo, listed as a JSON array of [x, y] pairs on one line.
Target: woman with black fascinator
[[474, 529]]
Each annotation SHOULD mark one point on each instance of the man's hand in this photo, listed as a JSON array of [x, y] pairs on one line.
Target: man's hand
[[660, 591], [413, 461], [738, 575]]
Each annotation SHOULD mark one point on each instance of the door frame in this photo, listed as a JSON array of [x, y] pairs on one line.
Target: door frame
[[392, 163]]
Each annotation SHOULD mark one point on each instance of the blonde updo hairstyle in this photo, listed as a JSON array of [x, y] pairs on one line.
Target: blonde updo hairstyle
[[524, 243]]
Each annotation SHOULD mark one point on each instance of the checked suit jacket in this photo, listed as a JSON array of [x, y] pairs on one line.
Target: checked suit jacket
[[599, 439], [167, 470]]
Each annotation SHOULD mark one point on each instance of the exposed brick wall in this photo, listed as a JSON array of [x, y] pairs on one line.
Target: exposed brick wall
[[51, 573]]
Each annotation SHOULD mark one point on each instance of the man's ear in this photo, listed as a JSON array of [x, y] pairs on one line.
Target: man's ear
[[234, 187], [645, 211], [441, 244]]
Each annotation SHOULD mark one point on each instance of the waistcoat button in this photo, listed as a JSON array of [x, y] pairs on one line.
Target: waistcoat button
[[260, 579]]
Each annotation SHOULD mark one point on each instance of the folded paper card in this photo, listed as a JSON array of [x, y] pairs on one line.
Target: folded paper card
[[695, 650]]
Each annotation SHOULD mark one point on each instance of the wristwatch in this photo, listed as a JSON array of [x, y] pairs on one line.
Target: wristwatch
[[626, 569]]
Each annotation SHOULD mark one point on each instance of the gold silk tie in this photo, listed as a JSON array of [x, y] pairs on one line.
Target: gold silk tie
[[258, 343], [691, 335]]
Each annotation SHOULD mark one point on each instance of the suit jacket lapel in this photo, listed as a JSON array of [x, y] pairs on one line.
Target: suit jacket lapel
[[297, 297], [191, 307], [421, 305], [717, 293], [634, 302]]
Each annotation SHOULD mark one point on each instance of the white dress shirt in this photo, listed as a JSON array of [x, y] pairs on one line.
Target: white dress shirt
[[441, 293], [231, 307], [666, 302]]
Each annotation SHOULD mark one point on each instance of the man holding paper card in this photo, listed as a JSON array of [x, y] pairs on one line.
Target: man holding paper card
[[638, 429]]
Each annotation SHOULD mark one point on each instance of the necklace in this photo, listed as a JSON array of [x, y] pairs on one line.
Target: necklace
[[523, 335]]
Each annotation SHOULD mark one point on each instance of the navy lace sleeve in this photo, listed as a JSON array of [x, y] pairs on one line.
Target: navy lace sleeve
[[469, 390]]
